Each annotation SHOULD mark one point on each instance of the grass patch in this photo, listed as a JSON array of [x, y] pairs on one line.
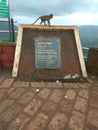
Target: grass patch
[[5, 40]]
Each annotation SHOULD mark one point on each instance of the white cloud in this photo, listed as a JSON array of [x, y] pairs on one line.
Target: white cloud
[[72, 19], [83, 18], [69, 12]]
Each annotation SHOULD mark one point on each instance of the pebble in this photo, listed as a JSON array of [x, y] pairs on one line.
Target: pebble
[[37, 90], [66, 97]]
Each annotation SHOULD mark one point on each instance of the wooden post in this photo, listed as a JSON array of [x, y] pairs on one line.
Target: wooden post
[[12, 26], [9, 25]]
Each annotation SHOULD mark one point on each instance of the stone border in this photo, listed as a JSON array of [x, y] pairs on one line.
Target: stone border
[[38, 27]]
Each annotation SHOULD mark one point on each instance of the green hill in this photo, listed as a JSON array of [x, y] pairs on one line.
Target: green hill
[[89, 35]]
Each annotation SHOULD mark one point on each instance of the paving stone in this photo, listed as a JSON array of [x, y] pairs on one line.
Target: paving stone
[[3, 93], [57, 84], [87, 129], [70, 94], [96, 83], [92, 119], [1, 79], [3, 125], [90, 80], [66, 106], [49, 85], [94, 97], [54, 84], [26, 97], [7, 83], [21, 84], [84, 93], [38, 84], [71, 85], [5, 104], [81, 104], [10, 113], [18, 123], [10, 90], [95, 90], [44, 93], [58, 122], [38, 123], [84, 85], [17, 93], [23, 108], [49, 108], [33, 107], [76, 121], [56, 95]]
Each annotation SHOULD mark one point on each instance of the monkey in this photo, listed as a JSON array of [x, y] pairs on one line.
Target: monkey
[[45, 18]]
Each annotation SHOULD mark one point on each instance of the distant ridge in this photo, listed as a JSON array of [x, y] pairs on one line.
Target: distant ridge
[[88, 34], [4, 26]]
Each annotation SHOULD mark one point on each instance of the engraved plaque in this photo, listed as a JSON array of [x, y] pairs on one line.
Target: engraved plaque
[[47, 53]]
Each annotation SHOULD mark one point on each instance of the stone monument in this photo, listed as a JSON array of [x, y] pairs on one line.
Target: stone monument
[[44, 52]]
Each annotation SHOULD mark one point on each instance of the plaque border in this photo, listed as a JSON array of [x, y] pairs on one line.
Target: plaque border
[[50, 38]]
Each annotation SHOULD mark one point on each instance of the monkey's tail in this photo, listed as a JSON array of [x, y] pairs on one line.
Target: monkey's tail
[[36, 20]]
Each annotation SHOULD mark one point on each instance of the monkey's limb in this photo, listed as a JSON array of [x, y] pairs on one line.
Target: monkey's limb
[[48, 22], [36, 20]]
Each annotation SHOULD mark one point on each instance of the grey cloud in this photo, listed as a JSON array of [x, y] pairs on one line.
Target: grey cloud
[[57, 7]]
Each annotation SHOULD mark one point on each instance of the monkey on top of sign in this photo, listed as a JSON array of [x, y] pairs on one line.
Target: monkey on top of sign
[[45, 18]]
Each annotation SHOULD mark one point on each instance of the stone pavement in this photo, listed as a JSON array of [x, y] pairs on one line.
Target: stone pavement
[[48, 105]]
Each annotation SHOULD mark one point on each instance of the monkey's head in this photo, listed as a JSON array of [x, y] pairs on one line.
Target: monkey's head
[[51, 15]]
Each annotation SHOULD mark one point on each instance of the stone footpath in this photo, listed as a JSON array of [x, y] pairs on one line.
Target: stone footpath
[[48, 105]]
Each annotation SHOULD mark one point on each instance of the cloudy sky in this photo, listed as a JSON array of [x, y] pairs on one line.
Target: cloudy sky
[[66, 12]]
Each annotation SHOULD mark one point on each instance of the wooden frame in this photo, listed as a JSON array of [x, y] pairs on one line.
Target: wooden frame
[[38, 27]]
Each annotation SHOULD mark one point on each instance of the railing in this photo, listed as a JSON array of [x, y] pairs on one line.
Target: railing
[[85, 52], [13, 36], [6, 31]]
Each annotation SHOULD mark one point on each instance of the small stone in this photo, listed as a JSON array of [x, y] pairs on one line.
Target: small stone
[[57, 81], [65, 97], [67, 76], [75, 76], [37, 90]]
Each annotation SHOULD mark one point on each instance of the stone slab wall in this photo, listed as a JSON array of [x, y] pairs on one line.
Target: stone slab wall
[[92, 61], [7, 52]]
